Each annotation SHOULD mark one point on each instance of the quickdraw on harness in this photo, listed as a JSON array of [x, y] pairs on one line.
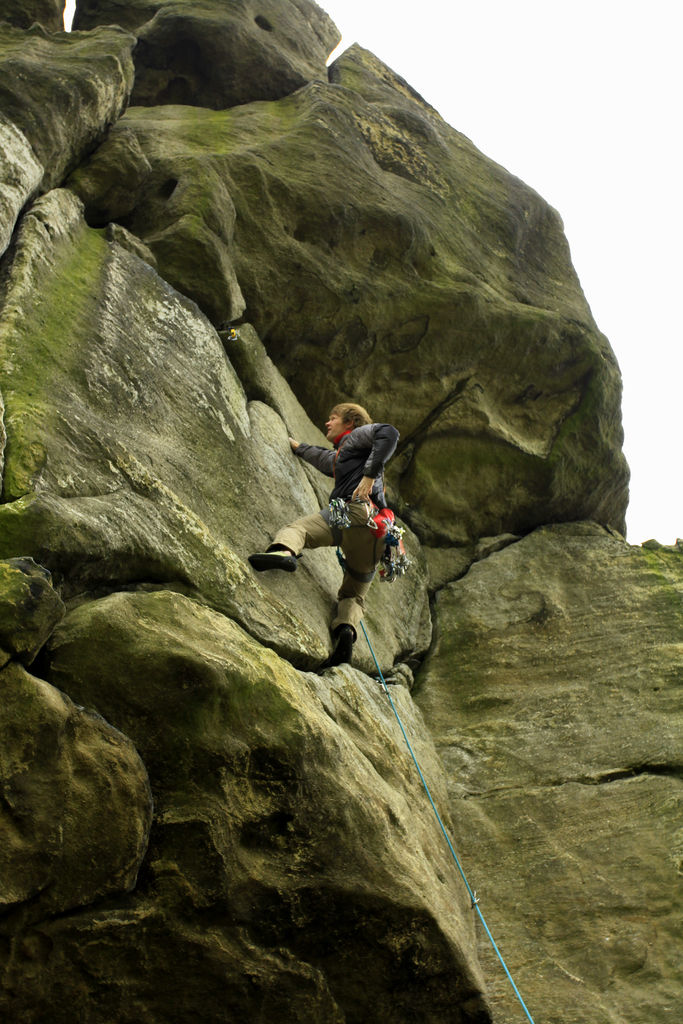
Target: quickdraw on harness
[[394, 561], [339, 517]]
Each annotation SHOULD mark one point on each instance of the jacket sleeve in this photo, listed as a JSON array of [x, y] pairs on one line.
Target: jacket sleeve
[[383, 439], [321, 458]]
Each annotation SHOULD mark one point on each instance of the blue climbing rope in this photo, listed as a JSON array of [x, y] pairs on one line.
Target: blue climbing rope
[[472, 894]]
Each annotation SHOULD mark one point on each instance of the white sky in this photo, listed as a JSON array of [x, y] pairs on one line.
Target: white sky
[[581, 100]]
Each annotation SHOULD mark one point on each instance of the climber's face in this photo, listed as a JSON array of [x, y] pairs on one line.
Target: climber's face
[[335, 426]]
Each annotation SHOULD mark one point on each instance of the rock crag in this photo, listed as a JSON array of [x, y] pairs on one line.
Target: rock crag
[[369, 237], [207, 238]]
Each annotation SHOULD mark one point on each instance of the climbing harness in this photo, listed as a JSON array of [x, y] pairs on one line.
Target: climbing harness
[[474, 901], [394, 561]]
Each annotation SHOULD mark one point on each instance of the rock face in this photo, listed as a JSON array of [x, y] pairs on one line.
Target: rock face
[[111, 477], [219, 54], [75, 800], [208, 56], [24, 13], [264, 781], [20, 177], [196, 820], [76, 806], [552, 694], [58, 95], [451, 307]]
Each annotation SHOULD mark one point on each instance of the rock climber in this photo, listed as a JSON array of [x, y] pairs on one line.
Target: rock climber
[[357, 460]]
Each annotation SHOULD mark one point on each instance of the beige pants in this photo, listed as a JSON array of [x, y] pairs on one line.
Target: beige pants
[[362, 551]]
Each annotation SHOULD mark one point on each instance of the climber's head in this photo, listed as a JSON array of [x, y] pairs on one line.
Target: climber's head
[[345, 416]]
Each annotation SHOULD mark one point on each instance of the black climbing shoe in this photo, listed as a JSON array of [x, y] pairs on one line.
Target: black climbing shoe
[[263, 560], [345, 637]]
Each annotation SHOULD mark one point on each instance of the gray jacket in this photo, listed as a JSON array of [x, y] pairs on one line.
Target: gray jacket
[[363, 452]]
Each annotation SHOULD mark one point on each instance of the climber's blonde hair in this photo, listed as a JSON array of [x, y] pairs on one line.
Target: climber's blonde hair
[[351, 413]]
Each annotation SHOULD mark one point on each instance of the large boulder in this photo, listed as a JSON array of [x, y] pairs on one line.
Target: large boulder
[[217, 54], [75, 798], [134, 458], [29, 609], [383, 258], [295, 869], [551, 692], [58, 95]]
